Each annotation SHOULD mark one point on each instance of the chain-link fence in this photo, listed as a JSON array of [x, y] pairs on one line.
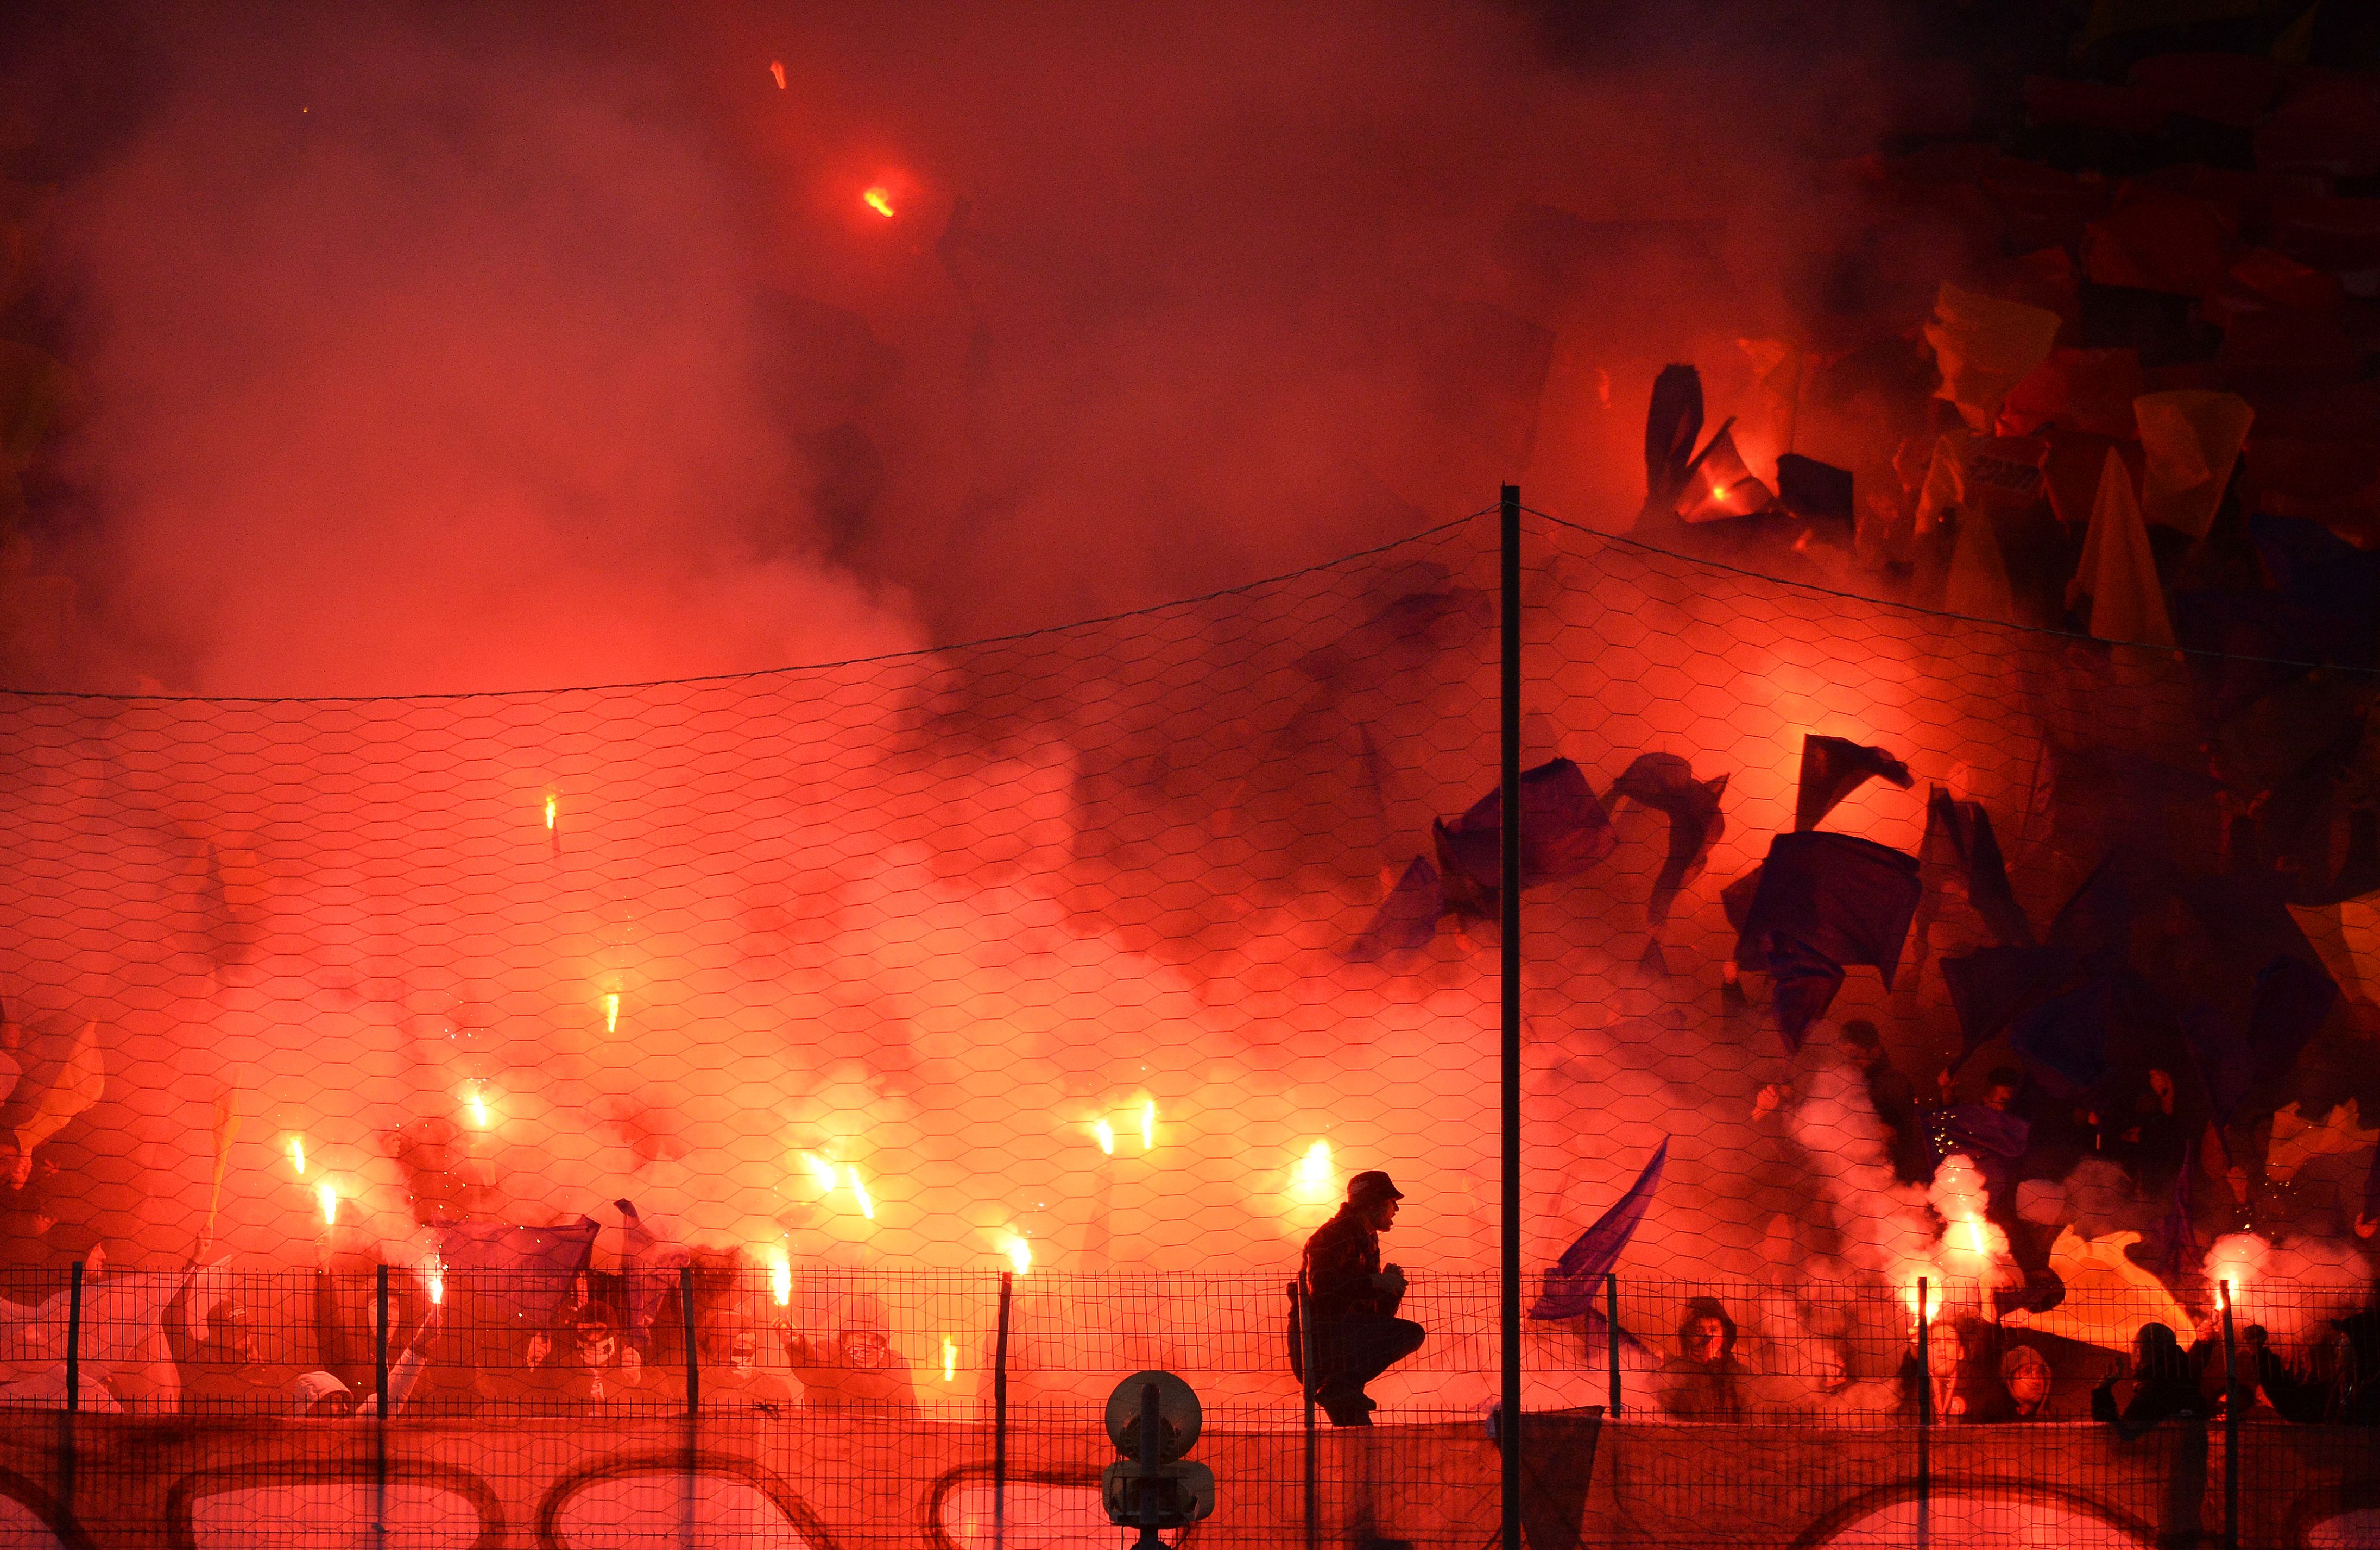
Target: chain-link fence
[[647, 1088]]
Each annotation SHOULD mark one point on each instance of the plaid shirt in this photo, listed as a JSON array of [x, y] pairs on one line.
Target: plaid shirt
[[1340, 1260]]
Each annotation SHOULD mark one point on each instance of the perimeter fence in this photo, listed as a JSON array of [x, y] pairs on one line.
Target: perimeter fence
[[811, 1002]]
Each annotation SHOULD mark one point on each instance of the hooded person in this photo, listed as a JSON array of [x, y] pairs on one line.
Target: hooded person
[[2026, 1378], [858, 1369], [1351, 1301], [2165, 1387], [1706, 1379], [320, 1395]]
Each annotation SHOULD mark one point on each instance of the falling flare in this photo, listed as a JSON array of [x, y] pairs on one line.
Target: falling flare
[[612, 1013], [777, 71], [1310, 1181], [880, 199], [859, 1193], [298, 1155], [1106, 1134], [330, 1198], [1020, 1253], [1148, 1126], [950, 1358], [781, 1276]]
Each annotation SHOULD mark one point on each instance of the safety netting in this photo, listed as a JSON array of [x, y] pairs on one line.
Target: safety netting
[[873, 1063]]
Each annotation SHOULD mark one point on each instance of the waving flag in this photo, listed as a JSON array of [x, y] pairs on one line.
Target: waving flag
[[1407, 919], [519, 1273], [1573, 1281], [651, 1271], [1563, 832], [1666, 783], [1833, 768]]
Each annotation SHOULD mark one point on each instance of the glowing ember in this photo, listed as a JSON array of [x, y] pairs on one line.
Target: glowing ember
[[330, 1198], [1105, 1133], [298, 1155], [1311, 1179], [880, 199], [859, 1193], [612, 1013], [781, 1276], [1020, 1253], [777, 72], [1148, 1126], [950, 1358]]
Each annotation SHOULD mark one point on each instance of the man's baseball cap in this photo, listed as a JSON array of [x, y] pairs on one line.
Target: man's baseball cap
[[1370, 1186]]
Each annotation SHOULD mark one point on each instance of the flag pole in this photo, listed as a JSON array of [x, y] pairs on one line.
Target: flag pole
[[1508, 909]]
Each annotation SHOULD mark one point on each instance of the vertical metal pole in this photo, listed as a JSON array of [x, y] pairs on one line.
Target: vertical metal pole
[[1313, 1441], [1509, 903], [1924, 1419], [379, 1389], [74, 1338], [999, 1414], [2231, 1401], [693, 1359], [1611, 1330]]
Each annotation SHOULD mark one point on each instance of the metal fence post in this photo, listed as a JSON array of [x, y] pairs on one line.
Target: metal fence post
[[2231, 1426], [1509, 901], [1000, 1414], [74, 1338], [693, 1361], [1612, 1330], [1313, 1441], [1924, 1420], [380, 1406]]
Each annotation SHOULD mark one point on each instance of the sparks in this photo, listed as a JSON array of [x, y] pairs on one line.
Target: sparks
[[330, 1198], [880, 199], [859, 1193], [777, 72], [1105, 1133], [781, 1276], [612, 1013], [1148, 1126], [950, 1358], [298, 1155], [1020, 1253]]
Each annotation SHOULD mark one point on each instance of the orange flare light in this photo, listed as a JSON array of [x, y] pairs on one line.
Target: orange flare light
[[820, 1170], [780, 1277], [298, 1155], [1148, 1126], [1105, 1134], [612, 1013], [435, 1278], [553, 810], [330, 1198], [1020, 1253], [478, 1106], [880, 199], [950, 1358], [859, 1193], [1310, 1181], [777, 73]]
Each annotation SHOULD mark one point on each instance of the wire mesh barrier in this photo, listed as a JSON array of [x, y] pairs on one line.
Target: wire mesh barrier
[[649, 1088]]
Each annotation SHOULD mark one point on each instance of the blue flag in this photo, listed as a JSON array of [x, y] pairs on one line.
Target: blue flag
[[1573, 1281], [1563, 832], [1407, 919], [1827, 901], [1833, 768], [650, 1271], [1666, 783], [520, 1274]]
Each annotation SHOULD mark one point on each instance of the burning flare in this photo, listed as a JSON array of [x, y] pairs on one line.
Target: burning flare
[[612, 1013], [781, 1276], [950, 1358], [1311, 1179], [434, 1277], [1105, 1133], [1148, 1126], [880, 199], [821, 1170], [1019, 1252], [553, 810], [478, 1106], [777, 73], [298, 1155], [330, 1198]]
